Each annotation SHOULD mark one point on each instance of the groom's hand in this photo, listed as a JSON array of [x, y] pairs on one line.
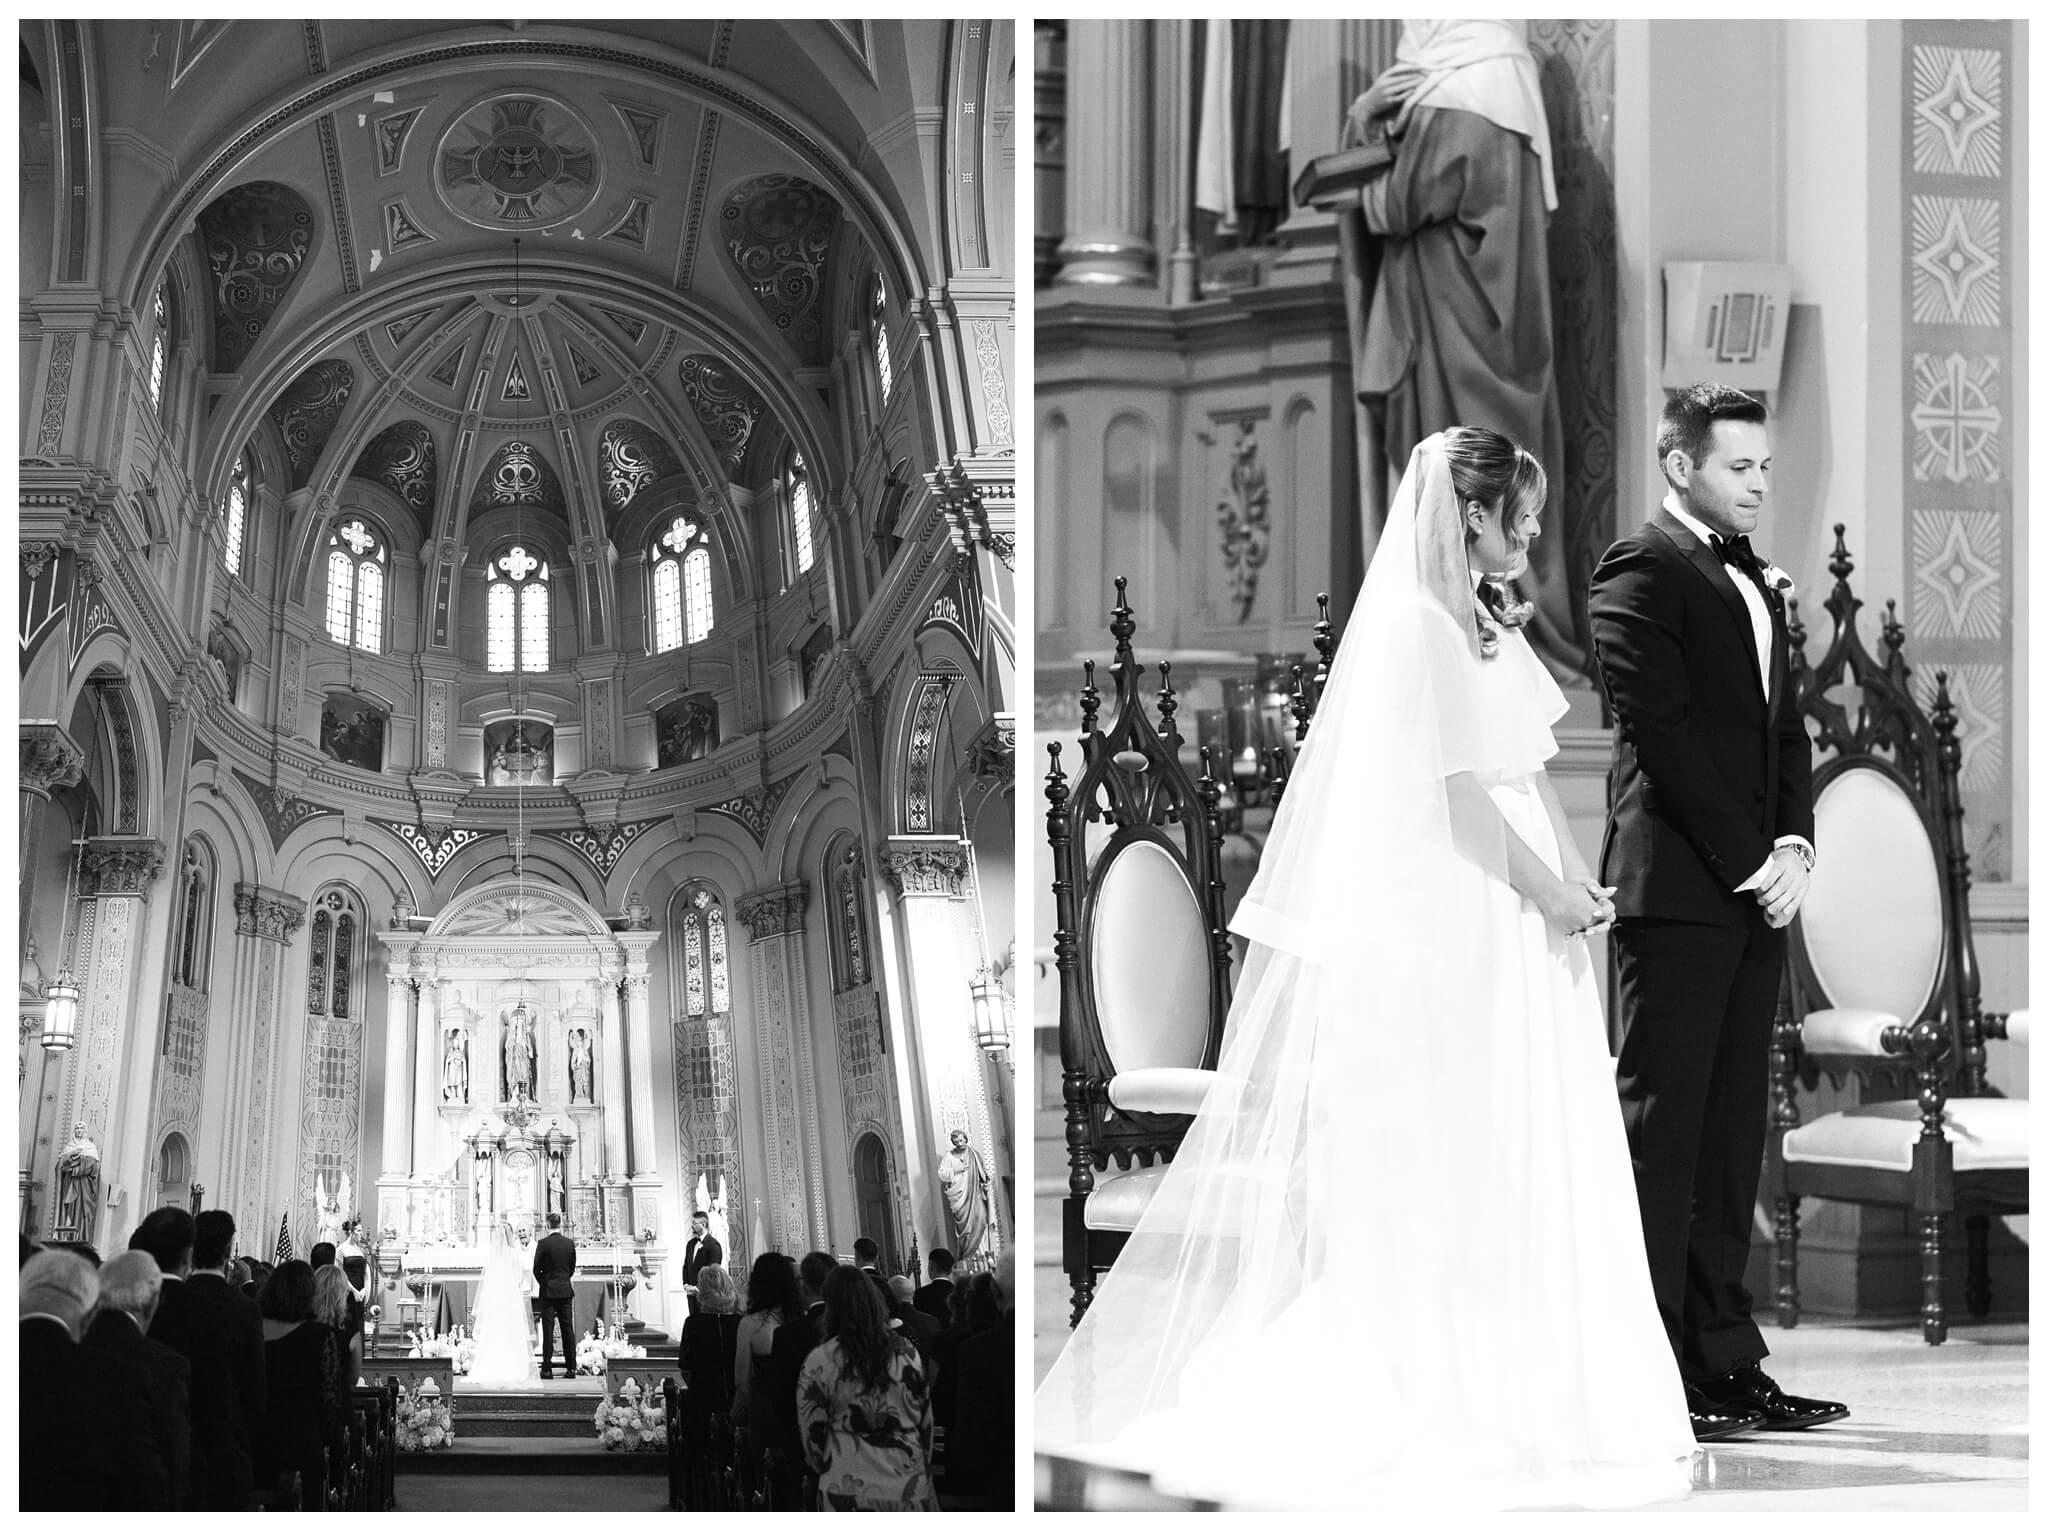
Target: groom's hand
[[1784, 886]]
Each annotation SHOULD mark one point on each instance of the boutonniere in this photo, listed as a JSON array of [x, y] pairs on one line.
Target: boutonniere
[[1778, 581]]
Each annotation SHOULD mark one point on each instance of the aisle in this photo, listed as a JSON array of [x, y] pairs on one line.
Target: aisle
[[527, 1492]]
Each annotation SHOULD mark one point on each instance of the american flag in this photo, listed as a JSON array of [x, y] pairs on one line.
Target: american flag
[[283, 1252]]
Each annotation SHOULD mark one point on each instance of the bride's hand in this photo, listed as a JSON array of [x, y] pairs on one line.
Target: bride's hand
[[1572, 908]]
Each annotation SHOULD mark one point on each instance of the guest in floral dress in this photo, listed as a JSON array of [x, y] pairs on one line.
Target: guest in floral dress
[[862, 1405]]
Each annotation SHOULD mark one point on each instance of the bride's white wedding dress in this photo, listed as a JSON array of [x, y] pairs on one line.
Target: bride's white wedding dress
[[502, 1320], [1398, 1257]]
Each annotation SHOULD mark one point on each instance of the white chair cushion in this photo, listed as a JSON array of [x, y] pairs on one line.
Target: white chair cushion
[[2019, 1027], [1871, 920], [1149, 958], [1988, 1134], [1120, 1199], [1175, 1091], [1852, 1033]]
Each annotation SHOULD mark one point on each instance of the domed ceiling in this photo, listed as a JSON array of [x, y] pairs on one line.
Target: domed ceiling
[[616, 242]]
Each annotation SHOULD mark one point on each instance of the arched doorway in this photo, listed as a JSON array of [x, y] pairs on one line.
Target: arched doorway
[[174, 1172], [876, 1215]]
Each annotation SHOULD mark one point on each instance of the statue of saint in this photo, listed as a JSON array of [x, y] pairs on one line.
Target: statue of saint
[[519, 1053], [579, 1065], [78, 1187], [965, 1181], [556, 1202], [455, 1067]]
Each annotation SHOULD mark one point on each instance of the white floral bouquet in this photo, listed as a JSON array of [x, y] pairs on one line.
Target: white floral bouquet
[[627, 1421], [424, 1421], [594, 1352], [456, 1345]]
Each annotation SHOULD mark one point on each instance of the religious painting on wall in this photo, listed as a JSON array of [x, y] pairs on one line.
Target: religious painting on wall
[[812, 655], [352, 730], [685, 730], [519, 752]]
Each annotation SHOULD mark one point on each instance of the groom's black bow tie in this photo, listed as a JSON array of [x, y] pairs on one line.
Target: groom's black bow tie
[[1738, 554]]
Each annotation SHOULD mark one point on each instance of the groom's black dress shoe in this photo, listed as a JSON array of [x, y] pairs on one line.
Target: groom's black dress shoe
[[1748, 1387], [1715, 1421]]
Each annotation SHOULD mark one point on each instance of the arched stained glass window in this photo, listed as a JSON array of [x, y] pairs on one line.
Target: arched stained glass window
[[707, 987], [878, 333], [160, 343], [516, 609], [235, 513], [796, 493], [356, 562], [681, 559]]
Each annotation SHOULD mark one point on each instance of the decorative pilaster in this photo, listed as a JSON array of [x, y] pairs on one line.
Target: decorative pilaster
[[269, 918], [425, 1096], [1109, 160], [639, 1027], [395, 1154], [775, 921], [615, 1161]]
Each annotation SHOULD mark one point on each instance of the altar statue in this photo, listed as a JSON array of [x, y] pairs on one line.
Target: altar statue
[[965, 1181], [455, 1068], [519, 1053], [579, 1065], [78, 1187]]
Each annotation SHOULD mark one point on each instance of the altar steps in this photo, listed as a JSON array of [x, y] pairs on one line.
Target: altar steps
[[545, 1430]]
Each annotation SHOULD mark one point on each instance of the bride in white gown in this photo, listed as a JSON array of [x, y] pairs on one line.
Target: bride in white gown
[[502, 1321], [1397, 1257]]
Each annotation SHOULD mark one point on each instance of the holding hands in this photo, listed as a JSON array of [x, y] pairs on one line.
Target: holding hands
[[1580, 906]]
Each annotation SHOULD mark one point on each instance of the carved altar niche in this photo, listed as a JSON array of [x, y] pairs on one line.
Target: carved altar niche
[[516, 1009]]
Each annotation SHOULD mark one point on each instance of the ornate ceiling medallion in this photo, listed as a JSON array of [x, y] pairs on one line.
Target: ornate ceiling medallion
[[518, 161]]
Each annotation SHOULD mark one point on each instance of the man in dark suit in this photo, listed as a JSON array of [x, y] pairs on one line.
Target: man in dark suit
[[702, 1250], [787, 1353], [865, 1253], [1708, 846], [935, 1297], [147, 1387], [61, 1467], [554, 1264], [219, 1332]]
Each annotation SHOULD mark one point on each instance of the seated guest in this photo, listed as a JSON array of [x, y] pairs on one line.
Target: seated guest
[[864, 1415], [773, 1299], [147, 1388], [308, 1398], [705, 1349], [259, 1276], [982, 1443], [228, 1389], [61, 1462], [333, 1306], [921, 1329], [936, 1295]]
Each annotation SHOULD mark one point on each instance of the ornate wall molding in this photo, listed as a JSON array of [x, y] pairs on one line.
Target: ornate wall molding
[[257, 236], [267, 912], [777, 911], [119, 867], [920, 868], [778, 231], [401, 458], [927, 712], [57, 393], [995, 397], [726, 406], [49, 759]]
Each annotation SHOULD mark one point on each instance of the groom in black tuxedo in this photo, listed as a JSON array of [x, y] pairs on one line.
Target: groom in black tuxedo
[[1709, 844], [554, 1266], [702, 1250]]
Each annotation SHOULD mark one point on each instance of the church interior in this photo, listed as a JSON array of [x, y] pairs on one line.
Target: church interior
[[518, 642], [1212, 468]]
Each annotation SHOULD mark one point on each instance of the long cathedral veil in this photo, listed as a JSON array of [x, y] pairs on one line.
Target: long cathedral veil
[[1333, 1177], [503, 1321]]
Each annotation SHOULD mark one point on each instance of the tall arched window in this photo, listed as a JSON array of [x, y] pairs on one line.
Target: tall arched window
[[330, 1094], [682, 585], [707, 1087], [796, 494], [160, 343], [878, 334], [236, 514], [516, 607], [356, 560], [192, 956]]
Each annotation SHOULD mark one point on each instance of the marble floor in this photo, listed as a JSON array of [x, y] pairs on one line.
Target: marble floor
[[1931, 1428]]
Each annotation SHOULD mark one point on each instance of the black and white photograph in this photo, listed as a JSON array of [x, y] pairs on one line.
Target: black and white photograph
[[518, 635], [1529, 580]]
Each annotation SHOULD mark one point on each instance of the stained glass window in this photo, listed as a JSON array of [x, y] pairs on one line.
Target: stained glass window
[[316, 975], [516, 612], [236, 514], [878, 325], [800, 513], [721, 992], [693, 962], [697, 594], [344, 953], [355, 585], [159, 346], [668, 605]]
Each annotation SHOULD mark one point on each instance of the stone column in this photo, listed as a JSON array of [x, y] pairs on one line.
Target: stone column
[[1109, 156], [395, 1156], [791, 1191], [616, 1164], [948, 1086], [425, 1075], [1049, 139], [269, 918]]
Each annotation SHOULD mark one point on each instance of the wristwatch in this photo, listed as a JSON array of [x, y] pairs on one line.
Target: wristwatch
[[1800, 849]]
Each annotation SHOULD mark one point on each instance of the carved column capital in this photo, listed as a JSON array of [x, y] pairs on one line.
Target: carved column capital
[[268, 913], [49, 759], [36, 556], [121, 865], [927, 868], [775, 911], [991, 755]]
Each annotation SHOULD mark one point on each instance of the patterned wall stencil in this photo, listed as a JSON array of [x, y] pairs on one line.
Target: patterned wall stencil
[[401, 458], [306, 413], [1962, 206], [256, 238]]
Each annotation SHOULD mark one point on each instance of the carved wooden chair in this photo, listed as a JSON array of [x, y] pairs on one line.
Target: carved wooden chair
[[1141, 945], [1882, 986]]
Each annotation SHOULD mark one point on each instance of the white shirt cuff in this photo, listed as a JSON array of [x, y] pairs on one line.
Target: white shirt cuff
[[1755, 879]]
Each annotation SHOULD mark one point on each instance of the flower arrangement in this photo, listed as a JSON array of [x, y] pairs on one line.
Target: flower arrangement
[[424, 1421], [456, 1345], [594, 1352], [626, 1421]]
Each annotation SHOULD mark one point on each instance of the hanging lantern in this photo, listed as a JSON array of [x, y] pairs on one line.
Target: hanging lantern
[[991, 1015], [60, 1013]]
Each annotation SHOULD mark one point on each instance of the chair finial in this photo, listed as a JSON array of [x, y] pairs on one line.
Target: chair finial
[[1091, 699], [1302, 706], [1326, 640], [1168, 702], [1122, 620], [1894, 631]]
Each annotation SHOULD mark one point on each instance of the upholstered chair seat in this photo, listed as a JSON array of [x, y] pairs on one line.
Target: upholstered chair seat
[[1983, 1133]]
